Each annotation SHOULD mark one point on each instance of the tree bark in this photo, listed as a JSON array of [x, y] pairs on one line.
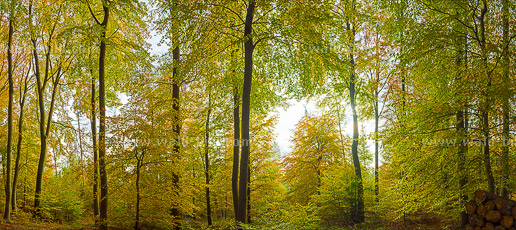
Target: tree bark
[[7, 211], [462, 148], [43, 141], [44, 124], [246, 102], [248, 211], [80, 146], [505, 103], [236, 149], [19, 144], [93, 122], [139, 162], [177, 135], [376, 123], [207, 164], [358, 214], [102, 127], [487, 107], [461, 151]]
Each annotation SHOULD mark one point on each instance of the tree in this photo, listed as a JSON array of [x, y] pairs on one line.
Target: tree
[[358, 214], [506, 62], [236, 148], [93, 122], [49, 76], [23, 97], [317, 146], [102, 106], [207, 161], [7, 211], [246, 103]]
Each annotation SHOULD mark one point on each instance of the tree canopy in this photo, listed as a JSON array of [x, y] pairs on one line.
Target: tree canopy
[[164, 114]]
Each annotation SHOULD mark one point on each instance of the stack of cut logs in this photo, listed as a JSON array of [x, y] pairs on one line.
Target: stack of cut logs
[[488, 211]]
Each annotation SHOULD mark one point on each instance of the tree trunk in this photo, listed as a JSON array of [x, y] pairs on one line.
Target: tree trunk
[[207, 164], [461, 152], [505, 102], [236, 149], [487, 157], [44, 130], [376, 153], [19, 144], [248, 211], [102, 127], [43, 141], [177, 135], [461, 131], [80, 146], [358, 215], [138, 168], [7, 212], [95, 152], [376, 120], [246, 103], [487, 107]]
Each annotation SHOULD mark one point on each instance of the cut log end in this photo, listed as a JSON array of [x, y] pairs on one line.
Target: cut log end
[[482, 211], [488, 226], [488, 211], [507, 221], [493, 216], [471, 207], [491, 205]]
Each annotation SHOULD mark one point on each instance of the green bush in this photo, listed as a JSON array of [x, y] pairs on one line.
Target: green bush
[[60, 200]]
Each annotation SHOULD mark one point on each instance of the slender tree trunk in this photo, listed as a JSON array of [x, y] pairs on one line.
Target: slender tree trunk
[[318, 171], [207, 165], [226, 209], [138, 168], [102, 128], [80, 146], [402, 6], [402, 61], [487, 107], [93, 122], [376, 120], [246, 103], [177, 135], [19, 144], [25, 181], [487, 157], [462, 133], [248, 211], [43, 141], [376, 153], [461, 152], [44, 130], [236, 149], [505, 102], [358, 215], [7, 212]]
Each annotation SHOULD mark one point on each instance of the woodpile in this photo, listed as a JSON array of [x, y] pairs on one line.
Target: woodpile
[[490, 212]]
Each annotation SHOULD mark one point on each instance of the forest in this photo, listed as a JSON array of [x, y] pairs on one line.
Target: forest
[[167, 114]]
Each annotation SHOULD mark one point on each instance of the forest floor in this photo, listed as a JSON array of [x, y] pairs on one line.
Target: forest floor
[[409, 224], [24, 220]]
